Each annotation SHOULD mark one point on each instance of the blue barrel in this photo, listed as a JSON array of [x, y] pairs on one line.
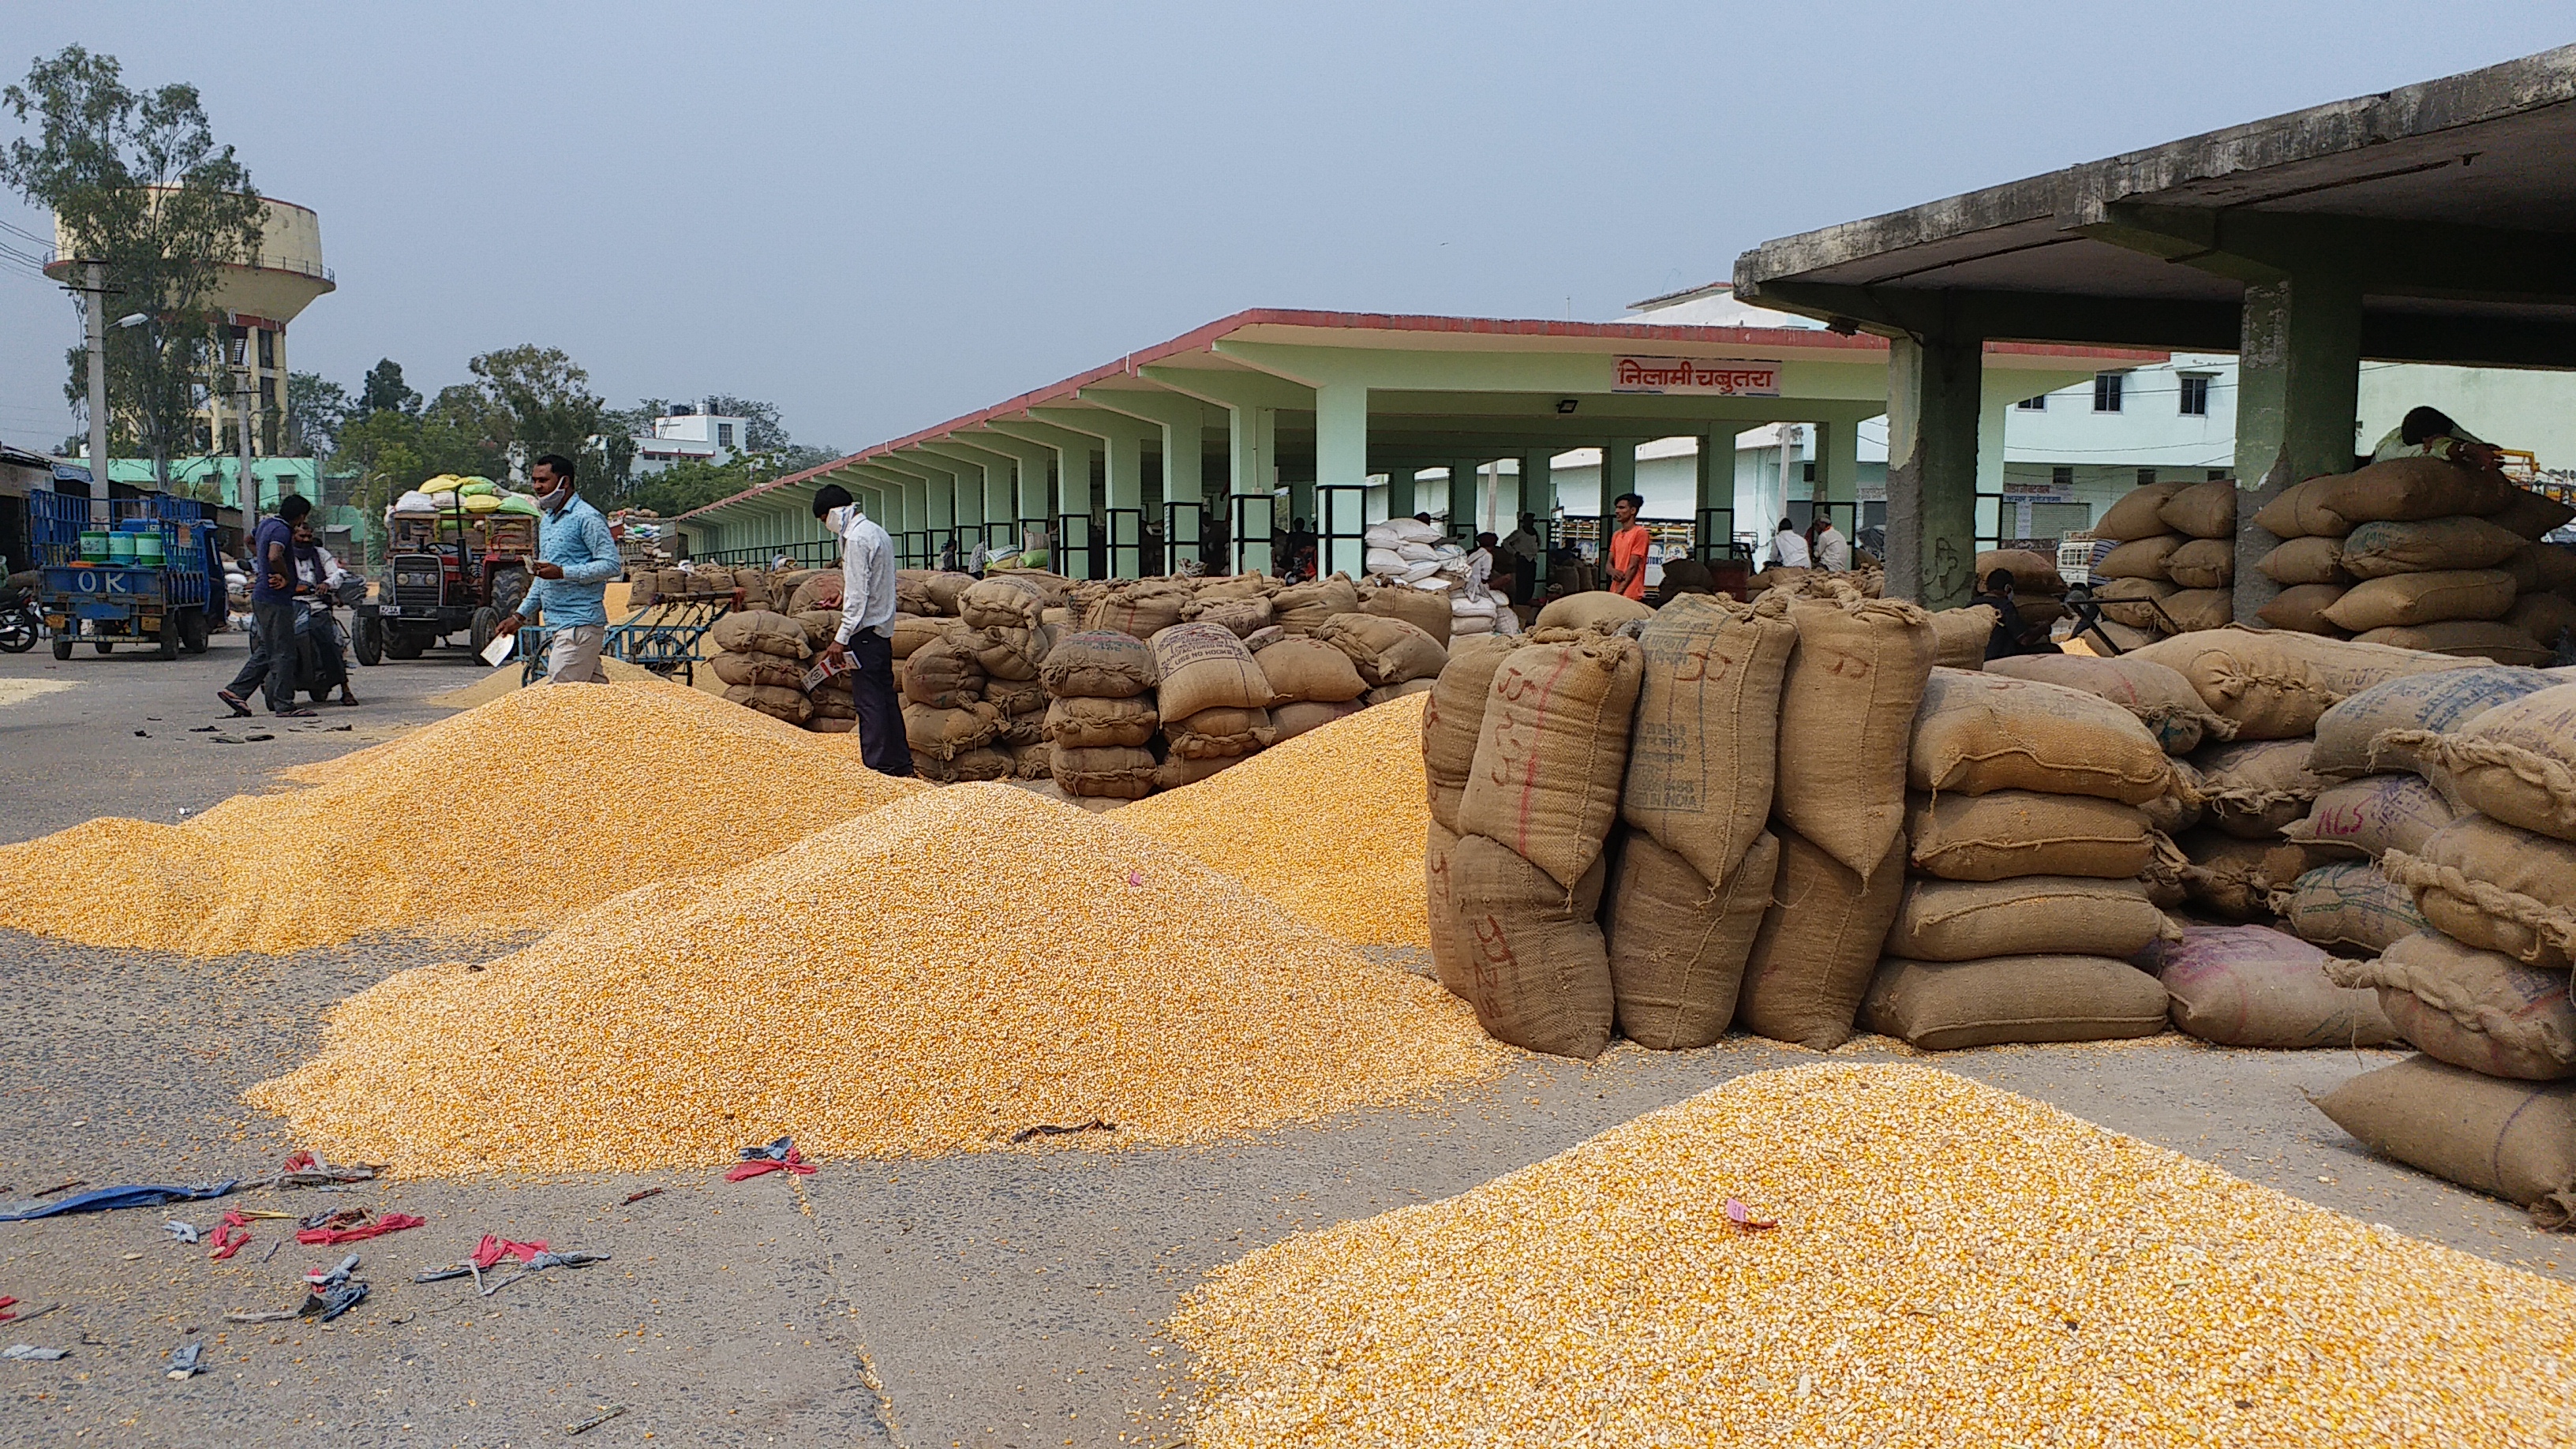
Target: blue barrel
[[120, 548]]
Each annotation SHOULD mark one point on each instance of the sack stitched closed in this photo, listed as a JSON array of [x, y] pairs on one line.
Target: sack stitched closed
[[1551, 750], [1847, 704], [1705, 742], [1945, 1005], [2252, 986], [1976, 733]]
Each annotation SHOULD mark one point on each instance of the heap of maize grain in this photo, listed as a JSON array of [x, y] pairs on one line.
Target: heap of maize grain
[[506, 679], [944, 974], [505, 817], [1951, 1265], [1328, 824]]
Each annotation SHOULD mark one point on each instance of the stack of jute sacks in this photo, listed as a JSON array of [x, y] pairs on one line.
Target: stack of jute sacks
[[1393, 656], [760, 656], [1213, 700], [2027, 844], [2482, 992], [1312, 681], [2175, 564], [1101, 718], [1416, 574], [2423, 554]]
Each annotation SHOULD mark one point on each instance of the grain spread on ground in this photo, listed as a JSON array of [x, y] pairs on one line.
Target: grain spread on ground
[[940, 975], [1951, 1265], [507, 679], [507, 817], [1329, 825]]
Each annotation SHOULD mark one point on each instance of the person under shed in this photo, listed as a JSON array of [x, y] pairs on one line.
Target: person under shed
[[1789, 547], [2012, 633], [2429, 433], [864, 643], [1630, 545]]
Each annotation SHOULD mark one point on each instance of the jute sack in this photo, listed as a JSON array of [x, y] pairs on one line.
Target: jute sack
[[1098, 664], [1301, 608], [2301, 512], [1677, 945], [2203, 510], [767, 669], [2193, 610], [1008, 652], [2032, 572], [1449, 960], [1960, 637], [2275, 684], [1939, 920], [831, 724], [2253, 788], [787, 704], [2140, 558], [2112, 638], [1551, 750], [2539, 567], [1203, 666], [1385, 651], [1003, 601], [1945, 1005], [1591, 609], [1178, 770], [2302, 607], [642, 587], [1310, 670], [2545, 617], [756, 593], [1811, 961], [1386, 692], [2017, 833], [2179, 808], [1847, 705], [1706, 737], [2349, 906], [1288, 721], [1451, 718], [1537, 972], [2403, 490], [2472, 1008], [1424, 610], [2375, 550], [822, 626], [1033, 762], [1020, 696], [2492, 640], [1085, 723], [1143, 608], [943, 733], [2234, 878], [2531, 515], [2252, 986], [986, 762], [1222, 733], [2423, 598], [2515, 762], [911, 596], [1111, 773], [1240, 617], [2373, 815], [1221, 587], [2349, 736], [2513, 1140], [947, 589], [2134, 602], [2203, 563], [758, 631], [1977, 733], [2161, 700], [911, 631], [2138, 514], [2307, 561], [943, 674], [2491, 886]]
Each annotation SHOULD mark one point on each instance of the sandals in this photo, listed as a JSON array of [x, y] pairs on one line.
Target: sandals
[[346, 700], [234, 702]]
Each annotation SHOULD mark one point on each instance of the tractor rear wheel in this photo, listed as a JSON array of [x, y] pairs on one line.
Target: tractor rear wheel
[[193, 631], [479, 633]]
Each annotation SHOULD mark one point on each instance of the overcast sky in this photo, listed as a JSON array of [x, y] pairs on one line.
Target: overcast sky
[[882, 216]]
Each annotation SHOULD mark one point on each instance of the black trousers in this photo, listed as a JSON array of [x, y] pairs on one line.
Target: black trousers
[[272, 654], [872, 695]]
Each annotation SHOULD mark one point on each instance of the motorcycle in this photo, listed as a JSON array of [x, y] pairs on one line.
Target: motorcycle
[[20, 625]]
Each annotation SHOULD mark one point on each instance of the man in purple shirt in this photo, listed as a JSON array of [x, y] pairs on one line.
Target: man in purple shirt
[[272, 610]]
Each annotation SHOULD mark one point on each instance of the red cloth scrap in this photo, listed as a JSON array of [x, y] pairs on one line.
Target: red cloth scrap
[[389, 1223], [227, 1245], [754, 1167], [492, 1250]]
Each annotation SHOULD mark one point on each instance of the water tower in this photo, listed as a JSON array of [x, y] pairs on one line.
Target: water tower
[[257, 302]]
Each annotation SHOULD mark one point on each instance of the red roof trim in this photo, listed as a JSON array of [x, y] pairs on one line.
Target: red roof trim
[[1200, 338]]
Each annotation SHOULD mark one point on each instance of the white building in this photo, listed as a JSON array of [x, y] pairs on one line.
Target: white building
[[691, 437]]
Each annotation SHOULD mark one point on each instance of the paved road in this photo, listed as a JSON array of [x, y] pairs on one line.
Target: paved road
[[998, 1299]]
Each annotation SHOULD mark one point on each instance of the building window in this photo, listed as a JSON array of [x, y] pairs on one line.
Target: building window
[[1810, 474], [2146, 477], [2106, 392], [724, 435], [2195, 396], [2062, 476], [2220, 475], [2037, 404], [267, 348]]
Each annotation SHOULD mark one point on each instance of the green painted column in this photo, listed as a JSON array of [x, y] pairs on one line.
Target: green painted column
[[1125, 491], [1463, 519], [1538, 491], [1402, 484], [1838, 467], [1252, 481], [1618, 473], [1934, 397], [2298, 396], [1713, 514]]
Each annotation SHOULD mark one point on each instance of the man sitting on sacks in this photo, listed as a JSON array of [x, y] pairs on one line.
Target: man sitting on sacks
[[2430, 433]]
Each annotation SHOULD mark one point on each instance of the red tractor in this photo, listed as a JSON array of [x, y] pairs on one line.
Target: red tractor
[[445, 573]]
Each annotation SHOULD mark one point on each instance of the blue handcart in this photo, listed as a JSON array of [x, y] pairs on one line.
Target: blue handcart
[[146, 574], [667, 636]]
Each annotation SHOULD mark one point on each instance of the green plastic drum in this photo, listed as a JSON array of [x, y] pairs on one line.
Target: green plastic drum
[[94, 545], [148, 550]]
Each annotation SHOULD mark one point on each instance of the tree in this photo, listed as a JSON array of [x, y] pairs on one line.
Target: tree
[[543, 396], [136, 181], [683, 486], [316, 410], [385, 392]]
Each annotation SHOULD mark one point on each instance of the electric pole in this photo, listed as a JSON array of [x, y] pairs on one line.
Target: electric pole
[[95, 299]]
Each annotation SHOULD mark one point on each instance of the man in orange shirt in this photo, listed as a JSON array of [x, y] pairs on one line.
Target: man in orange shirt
[[1628, 543]]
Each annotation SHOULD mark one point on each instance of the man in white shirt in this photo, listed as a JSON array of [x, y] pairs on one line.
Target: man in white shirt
[[865, 641], [1833, 551], [1789, 547]]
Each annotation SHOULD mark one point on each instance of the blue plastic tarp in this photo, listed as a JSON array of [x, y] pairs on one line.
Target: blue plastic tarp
[[107, 1199]]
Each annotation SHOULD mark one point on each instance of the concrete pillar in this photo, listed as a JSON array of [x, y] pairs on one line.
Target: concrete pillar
[[2298, 394], [1538, 491], [1618, 474], [1714, 512], [1934, 391], [1002, 505], [1401, 486], [1341, 434], [1252, 475], [1126, 490], [1462, 499], [1838, 466]]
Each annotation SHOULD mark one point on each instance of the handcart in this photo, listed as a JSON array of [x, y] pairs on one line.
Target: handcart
[[667, 636]]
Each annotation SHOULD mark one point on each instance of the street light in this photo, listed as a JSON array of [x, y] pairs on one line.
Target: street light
[[136, 319]]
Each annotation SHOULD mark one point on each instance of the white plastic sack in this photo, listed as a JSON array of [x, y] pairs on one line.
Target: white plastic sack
[[1416, 552], [1385, 561]]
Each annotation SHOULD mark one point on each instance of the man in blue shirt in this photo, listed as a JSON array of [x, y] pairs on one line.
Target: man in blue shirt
[[576, 557], [272, 610]]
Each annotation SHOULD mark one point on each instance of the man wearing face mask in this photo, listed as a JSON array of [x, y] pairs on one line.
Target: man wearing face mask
[[865, 641], [568, 588]]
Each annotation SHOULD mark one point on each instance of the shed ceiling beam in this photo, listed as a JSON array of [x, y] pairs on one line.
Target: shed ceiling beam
[[1919, 312], [2387, 258]]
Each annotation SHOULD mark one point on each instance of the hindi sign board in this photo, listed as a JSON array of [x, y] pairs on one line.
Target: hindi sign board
[[1705, 376]]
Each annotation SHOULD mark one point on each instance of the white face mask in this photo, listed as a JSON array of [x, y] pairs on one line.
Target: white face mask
[[838, 518]]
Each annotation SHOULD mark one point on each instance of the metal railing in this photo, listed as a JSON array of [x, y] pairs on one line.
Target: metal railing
[[1341, 528]]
